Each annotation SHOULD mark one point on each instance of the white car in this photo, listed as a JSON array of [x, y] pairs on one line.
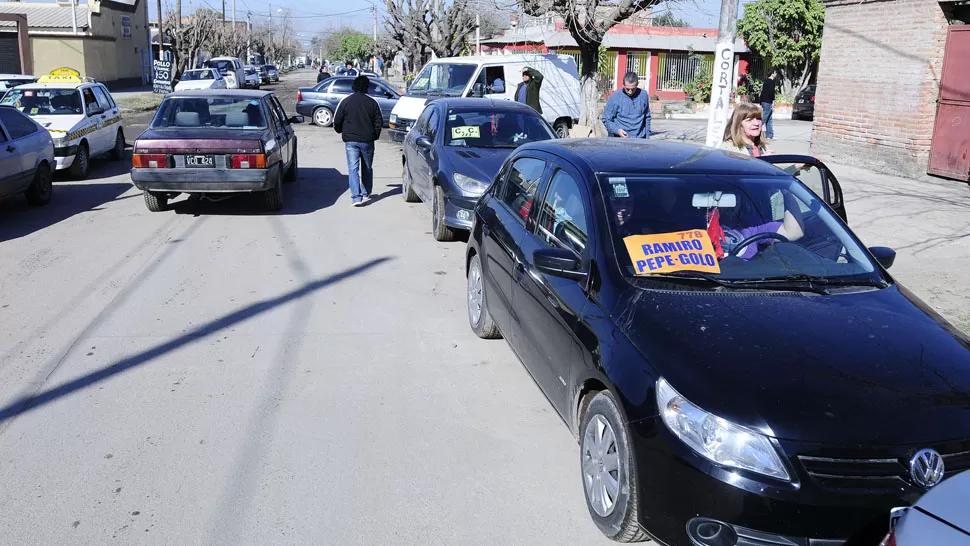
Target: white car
[[231, 69], [939, 518], [9, 81], [201, 78], [83, 119], [252, 77]]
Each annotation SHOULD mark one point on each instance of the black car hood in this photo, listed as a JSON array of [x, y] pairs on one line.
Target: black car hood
[[479, 163], [876, 366]]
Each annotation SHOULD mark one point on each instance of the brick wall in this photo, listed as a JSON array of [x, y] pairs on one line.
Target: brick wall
[[878, 81]]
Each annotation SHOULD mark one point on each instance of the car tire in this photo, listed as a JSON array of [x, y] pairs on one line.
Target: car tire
[[41, 189], [156, 202], [294, 171], [562, 128], [322, 117], [82, 160], [478, 316], [274, 197], [605, 443], [406, 189], [440, 231], [118, 152]]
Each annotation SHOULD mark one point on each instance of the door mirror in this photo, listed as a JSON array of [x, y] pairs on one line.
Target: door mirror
[[884, 255], [478, 90], [559, 262], [423, 142], [389, 94], [296, 119]]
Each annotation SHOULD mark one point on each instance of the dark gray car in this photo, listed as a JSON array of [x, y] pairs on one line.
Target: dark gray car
[[26, 157], [320, 101]]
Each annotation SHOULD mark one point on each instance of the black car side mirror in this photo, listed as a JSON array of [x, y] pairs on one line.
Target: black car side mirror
[[559, 262], [296, 119], [884, 255], [423, 142]]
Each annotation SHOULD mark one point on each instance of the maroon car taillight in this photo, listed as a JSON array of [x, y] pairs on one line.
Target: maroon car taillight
[[247, 161], [149, 161]]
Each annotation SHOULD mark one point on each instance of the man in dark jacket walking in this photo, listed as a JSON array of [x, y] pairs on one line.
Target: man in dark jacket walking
[[358, 119], [528, 91], [767, 100]]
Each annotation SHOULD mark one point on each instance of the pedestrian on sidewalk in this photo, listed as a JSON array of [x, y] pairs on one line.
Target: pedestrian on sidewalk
[[743, 131], [528, 91], [767, 100], [359, 121], [627, 114]]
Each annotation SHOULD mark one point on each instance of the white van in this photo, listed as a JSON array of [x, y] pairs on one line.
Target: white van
[[496, 77], [231, 68]]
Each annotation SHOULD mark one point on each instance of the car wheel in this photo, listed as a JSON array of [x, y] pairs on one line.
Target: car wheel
[[274, 196], [440, 231], [478, 316], [79, 169], [118, 152], [406, 190], [41, 189], [322, 116], [294, 171], [562, 129], [609, 471], [156, 202]]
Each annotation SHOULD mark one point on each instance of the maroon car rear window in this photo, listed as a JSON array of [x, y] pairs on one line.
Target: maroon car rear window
[[210, 112]]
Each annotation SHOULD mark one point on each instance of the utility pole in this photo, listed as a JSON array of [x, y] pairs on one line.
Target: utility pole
[[722, 83], [373, 10], [161, 32], [478, 35], [74, 16], [270, 48], [178, 13], [223, 11], [234, 16], [249, 37]]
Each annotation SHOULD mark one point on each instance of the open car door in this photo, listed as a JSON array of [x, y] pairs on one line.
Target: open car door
[[814, 174]]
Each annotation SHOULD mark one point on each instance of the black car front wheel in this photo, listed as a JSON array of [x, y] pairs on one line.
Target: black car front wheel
[[609, 471], [478, 316], [407, 190], [440, 231]]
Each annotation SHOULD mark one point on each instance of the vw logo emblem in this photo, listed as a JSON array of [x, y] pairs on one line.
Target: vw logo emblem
[[926, 468]]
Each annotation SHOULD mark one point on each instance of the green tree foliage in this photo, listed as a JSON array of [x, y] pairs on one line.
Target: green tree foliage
[[667, 19], [787, 34], [355, 46]]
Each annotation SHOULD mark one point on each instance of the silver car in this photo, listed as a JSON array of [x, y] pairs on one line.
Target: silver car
[[26, 157]]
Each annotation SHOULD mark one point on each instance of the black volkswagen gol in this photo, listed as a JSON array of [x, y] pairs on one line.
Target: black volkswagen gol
[[739, 369]]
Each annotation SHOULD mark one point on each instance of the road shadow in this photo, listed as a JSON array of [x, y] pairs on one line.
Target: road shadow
[[395, 190], [101, 167], [18, 219], [315, 189]]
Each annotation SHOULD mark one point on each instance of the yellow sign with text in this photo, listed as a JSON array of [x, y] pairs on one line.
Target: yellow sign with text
[[690, 250], [465, 131], [62, 75]]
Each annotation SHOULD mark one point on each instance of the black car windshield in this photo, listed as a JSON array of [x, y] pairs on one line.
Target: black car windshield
[[439, 79], [209, 112], [44, 102], [190, 75], [732, 228], [491, 129]]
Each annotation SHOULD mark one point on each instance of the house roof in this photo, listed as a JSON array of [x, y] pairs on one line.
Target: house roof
[[558, 38], [45, 17]]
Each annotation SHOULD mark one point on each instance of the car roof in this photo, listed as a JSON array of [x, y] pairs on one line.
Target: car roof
[[206, 93], [465, 104], [636, 156], [57, 85]]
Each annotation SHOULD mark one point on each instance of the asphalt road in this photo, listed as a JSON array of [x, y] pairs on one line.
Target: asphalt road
[[218, 375]]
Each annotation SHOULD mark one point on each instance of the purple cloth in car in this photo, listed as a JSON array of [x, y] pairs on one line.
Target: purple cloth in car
[[734, 236]]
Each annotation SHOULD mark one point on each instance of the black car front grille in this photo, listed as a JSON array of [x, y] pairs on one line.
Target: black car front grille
[[872, 475]]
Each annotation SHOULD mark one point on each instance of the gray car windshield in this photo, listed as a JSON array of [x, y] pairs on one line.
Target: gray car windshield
[[730, 228], [445, 80], [44, 102], [209, 112], [479, 129]]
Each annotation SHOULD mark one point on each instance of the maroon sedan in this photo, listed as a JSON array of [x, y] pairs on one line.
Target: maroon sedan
[[208, 142]]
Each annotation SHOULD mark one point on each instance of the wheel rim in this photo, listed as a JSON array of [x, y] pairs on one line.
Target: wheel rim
[[405, 181], [563, 131], [323, 116], [434, 212], [601, 466], [476, 293]]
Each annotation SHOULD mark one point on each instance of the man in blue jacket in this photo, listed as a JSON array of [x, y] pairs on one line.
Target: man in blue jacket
[[627, 114]]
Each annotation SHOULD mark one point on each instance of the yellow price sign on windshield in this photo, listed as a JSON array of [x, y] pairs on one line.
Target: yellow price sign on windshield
[[689, 250], [465, 131]]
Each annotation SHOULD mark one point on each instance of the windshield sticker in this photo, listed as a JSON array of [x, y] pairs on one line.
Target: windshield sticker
[[676, 251], [453, 117], [619, 189], [34, 111], [465, 131]]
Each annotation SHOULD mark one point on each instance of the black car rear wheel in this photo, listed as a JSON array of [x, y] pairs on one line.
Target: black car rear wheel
[[609, 471], [294, 171], [118, 152], [440, 231], [406, 190], [274, 197], [41, 189], [156, 202]]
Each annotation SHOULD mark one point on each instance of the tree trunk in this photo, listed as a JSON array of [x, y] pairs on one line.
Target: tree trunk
[[588, 69]]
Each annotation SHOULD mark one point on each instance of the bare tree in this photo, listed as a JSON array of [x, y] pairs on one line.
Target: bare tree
[[587, 22], [420, 27], [192, 36]]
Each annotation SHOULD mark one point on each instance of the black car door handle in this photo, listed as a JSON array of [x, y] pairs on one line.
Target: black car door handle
[[11, 148]]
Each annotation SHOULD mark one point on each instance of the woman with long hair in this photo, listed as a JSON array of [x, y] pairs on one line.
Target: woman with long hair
[[743, 131]]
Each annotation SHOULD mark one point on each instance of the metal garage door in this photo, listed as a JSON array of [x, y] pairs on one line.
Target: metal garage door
[[950, 150], [9, 53]]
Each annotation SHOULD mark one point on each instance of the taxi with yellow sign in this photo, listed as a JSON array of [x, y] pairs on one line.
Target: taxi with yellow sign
[[82, 117]]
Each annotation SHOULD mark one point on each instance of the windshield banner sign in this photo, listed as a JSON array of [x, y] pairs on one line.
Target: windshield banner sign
[[677, 251]]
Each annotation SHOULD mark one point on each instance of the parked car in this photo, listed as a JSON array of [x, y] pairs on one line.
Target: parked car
[[81, 116], [252, 77], [26, 157], [939, 517], [206, 142], [804, 107], [9, 81], [320, 101], [263, 74], [737, 366], [231, 69], [493, 76], [274, 74], [201, 78], [454, 151]]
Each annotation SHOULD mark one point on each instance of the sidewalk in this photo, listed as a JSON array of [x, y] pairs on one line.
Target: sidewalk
[[927, 222]]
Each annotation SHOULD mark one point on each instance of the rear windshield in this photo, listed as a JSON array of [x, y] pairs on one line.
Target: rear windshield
[[210, 112], [44, 102], [190, 75], [224, 67]]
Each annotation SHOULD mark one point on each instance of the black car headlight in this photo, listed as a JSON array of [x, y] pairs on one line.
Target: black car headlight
[[717, 439], [469, 184]]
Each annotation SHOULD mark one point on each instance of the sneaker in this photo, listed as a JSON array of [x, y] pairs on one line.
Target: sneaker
[[357, 203], [367, 197]]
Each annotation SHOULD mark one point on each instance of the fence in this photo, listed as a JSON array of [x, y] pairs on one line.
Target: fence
[[607, 76], [676, 69]]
